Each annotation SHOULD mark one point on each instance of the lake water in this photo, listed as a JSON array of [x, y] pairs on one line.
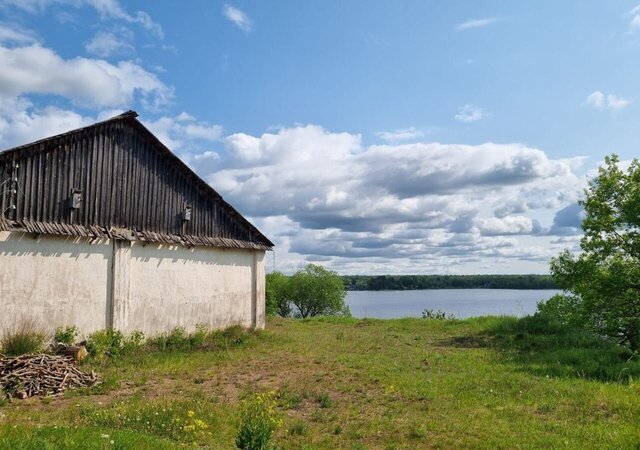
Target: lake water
[[459, 302]]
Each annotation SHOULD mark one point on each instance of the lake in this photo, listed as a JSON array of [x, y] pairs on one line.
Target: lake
[[459, 302]]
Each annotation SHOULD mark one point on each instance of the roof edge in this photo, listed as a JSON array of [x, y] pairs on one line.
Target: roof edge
[[131, 117]]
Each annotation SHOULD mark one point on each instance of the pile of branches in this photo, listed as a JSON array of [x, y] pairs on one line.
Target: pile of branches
[[41, 375]]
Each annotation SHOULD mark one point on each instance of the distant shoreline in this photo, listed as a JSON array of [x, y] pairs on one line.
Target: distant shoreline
[[421, 282]]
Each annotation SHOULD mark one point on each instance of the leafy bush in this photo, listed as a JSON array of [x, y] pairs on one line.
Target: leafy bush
[[277, 294], [27, 336], [66, 335], [432, 314], [258, 422], [562, 308], [602, 293], [312, 291], [113, 343], [316, 291], [105, 343]]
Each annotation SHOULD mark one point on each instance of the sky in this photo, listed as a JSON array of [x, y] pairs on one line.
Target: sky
[[412, 137]]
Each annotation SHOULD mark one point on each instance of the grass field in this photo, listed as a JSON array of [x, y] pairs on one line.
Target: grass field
[[356, 384]]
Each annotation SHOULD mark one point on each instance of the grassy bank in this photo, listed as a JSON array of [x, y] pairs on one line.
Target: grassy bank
[[355, 384]]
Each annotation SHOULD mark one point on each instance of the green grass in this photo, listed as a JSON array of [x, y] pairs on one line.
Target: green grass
[[352, 384]]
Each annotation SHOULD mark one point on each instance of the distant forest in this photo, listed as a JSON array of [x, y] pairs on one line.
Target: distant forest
[[409, 282]]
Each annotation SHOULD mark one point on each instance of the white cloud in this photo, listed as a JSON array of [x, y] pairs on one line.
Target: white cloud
[[495, 226], [616, 103], [469, 113], [634, 13], [327, 197], [20, 123], [477, 23], [186, 136], [107, 9], [106, 44], [12, 34], [238, 17], [88, 82], [400, 135], [597, 99], [611, 102]]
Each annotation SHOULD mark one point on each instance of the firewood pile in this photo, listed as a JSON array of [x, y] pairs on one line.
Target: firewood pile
[[41, 375]]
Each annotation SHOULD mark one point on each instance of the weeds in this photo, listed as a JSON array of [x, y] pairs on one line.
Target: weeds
[[113, 343], [26, 337], [179, 421], [324, 400], [201, 339], [433, 314], [66, 335], [299, 428], [258, 422]]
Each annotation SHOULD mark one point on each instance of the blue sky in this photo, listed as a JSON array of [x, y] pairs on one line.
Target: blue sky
[[372, 137]]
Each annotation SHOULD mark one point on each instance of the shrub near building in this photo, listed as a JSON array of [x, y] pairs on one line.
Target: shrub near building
[[312, 291]]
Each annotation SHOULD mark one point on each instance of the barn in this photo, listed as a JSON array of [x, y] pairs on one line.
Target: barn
[[105, 227]]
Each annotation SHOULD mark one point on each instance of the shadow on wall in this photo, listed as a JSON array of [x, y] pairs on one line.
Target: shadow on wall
[[27, 244], [202, 255]]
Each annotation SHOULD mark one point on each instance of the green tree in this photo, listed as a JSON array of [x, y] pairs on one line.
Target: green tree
[[277, 294], [602, 283], [316, 291]]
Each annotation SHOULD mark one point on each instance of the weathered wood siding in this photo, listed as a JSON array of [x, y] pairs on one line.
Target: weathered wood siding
[[132, 187]]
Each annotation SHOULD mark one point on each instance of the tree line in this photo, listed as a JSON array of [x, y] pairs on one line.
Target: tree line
[[410, 282]]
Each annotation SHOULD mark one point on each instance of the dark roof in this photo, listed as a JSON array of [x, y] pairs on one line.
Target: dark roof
[[119, 165]]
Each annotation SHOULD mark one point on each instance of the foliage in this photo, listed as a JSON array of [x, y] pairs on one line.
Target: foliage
[[316, 291], [66, 335], [201, 339], [277, 294], [324, 400], [409, 282], [298, 429], [312, 291], [113, 343], [178, 420], [258, 422], [601, 283], [432, 314], [27, 336]]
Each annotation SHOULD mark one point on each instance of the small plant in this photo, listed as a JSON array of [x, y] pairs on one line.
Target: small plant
[[113, 343], [176, 339], [298, 429], [417, 431], [198, 338], [66, 335], [287, 399], [26, 337], [324, 400], [432, 314], [258, 422]]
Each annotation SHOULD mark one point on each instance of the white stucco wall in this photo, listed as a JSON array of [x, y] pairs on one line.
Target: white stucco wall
[[176, 286], [54, 280], [134, 286]]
